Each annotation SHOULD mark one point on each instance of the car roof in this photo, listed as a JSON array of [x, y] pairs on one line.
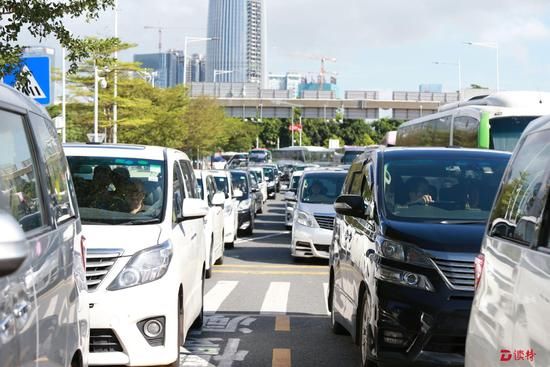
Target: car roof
[[118, 150], [400, 152], [12, 99]]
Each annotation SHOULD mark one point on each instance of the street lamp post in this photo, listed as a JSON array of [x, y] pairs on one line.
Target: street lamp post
[[189, 40], [493, 45], [459, 66], [115, 82]]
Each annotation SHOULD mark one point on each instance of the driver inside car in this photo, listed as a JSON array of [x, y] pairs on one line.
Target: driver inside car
[[419, 191]]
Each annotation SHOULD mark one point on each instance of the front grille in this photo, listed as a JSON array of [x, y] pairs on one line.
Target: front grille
[[98, 264], [325, 221], [104, 340], [323, 248], [459, 273], [446, 344]]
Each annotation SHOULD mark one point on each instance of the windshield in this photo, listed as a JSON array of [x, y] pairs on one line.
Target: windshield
[[322, 188], [441, 189], [218, 159], [350, 155], [116, 190], [222, 184], [257, 157], [506, 131], [240, 182], [269, 173]]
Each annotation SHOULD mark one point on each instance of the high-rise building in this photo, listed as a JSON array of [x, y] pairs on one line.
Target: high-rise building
[[238, 48], [195, 69], [168, 67], [288, 81]]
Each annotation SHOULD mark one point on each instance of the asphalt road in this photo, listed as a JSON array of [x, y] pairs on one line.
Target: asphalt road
[[262, 308]]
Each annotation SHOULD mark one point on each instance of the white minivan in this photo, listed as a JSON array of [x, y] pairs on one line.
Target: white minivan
[[231, 206], [143, 221], [43, 297], [213, 221]]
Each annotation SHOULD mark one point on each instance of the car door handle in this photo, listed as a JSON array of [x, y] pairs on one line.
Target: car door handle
[[193, 236], [21, 310]]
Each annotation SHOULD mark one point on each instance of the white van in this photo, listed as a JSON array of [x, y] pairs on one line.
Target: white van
[[231, 206], [213, 221], [143, 221], [43, 298]]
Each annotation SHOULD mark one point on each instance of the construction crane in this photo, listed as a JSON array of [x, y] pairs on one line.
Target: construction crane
[[324, 59]]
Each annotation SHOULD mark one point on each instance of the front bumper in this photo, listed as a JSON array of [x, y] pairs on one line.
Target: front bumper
[[419, 328], [245, 219], [310, 242], [118, 313]]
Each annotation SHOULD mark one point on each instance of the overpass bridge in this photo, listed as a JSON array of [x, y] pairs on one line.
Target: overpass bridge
[[247, 100]]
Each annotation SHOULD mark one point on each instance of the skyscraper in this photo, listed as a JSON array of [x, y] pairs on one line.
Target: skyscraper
[[167, 65], [238, 50]]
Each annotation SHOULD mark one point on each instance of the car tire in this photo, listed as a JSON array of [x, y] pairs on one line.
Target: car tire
[[176, 363], [364, 333], [197, 324], [336, 327]]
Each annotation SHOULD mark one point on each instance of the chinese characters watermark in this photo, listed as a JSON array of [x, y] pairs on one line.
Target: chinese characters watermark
[[507, 355]]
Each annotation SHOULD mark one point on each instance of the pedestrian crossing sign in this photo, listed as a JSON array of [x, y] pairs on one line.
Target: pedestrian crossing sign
[[39, 79]]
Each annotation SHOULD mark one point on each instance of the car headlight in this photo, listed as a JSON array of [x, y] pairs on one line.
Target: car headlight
[[245, 204], [404, 278], [305, 219], [144, 267], [402, 252]]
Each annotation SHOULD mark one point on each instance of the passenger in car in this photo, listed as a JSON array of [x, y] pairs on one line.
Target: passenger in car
[[317, 192], [100, 196], [134, 198], [419, 191]]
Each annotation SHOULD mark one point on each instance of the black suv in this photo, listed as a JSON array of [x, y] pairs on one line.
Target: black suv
[[408, 227]]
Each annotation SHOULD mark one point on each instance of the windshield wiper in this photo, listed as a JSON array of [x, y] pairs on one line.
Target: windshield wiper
[[451, 221], [141, 221]]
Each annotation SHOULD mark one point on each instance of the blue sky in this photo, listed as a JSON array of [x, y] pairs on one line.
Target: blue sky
[[379, 45]]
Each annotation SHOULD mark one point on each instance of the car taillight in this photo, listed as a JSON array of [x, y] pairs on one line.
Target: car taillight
[[479, 262], [83, 251]]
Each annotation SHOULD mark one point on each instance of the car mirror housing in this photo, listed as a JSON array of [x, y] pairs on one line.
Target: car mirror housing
[[13, 245], [353, 206], [237, 194], [193, 209]]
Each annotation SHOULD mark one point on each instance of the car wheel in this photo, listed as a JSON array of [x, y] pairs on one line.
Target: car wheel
[[176, 363], [336, 327], [197, 324], [365, 336]]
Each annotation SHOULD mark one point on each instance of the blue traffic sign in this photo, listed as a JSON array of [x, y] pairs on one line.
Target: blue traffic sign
[[39, 86]]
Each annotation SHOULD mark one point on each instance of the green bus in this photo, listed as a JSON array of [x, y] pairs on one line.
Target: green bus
[[491, 122]]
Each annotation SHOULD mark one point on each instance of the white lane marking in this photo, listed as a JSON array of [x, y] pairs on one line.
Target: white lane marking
[[325, 291], [276, 298], [215, 297], [262, 238]]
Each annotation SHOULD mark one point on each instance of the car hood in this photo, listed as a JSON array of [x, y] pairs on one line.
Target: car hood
[[129, 238], [436, 237], [322, 209]]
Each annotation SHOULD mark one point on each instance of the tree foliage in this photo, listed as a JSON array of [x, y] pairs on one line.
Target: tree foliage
[[42, 19]]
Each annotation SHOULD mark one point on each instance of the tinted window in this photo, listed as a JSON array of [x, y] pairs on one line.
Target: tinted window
[[321, 188], [506, 131], [442, 131], [269, 173], [189, 178], [19, 192], [179, 193], [438, 189], [465, 131], [521, 198], [200, 188], [58, 175], [117, 190], [294, 183], [222, 184], [350, 155], [211, 187], [240, 182]]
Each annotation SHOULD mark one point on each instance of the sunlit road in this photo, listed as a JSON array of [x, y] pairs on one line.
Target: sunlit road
[[265, 309]]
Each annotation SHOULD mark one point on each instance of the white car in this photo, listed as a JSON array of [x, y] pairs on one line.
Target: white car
[[143, 221], [230, 209], [290, 198], [262, 182], [213, 221], [314, 213]]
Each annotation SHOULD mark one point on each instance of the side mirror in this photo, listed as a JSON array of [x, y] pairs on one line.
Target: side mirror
[[193, 209], [13, 245], [218, 199], [290, 196], [353, 206], [237, 194]]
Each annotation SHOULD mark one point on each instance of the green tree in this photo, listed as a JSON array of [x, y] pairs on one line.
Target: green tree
[[383, 126], [43, 19]]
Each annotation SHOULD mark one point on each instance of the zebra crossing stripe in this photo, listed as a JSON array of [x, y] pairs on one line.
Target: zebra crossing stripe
[[215, 297], [276, 298]]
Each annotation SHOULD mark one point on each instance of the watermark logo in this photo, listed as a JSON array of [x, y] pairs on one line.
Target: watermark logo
[[507, 355]]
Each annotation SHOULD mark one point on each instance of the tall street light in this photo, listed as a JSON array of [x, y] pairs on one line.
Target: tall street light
[[189, 40], [219, 72], [493, 45], [459, 66], [115, 82]]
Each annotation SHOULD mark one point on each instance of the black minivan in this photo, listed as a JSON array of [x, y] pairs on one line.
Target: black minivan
[[409, 225]]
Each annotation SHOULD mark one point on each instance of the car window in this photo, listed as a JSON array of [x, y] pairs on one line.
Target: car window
[[19, 190], [211, 188], [200, 188], [240, 182], [518, 208], [222, 185], [118, 190], [179, 193], [59, 182], [321, 188], [189, 178]]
